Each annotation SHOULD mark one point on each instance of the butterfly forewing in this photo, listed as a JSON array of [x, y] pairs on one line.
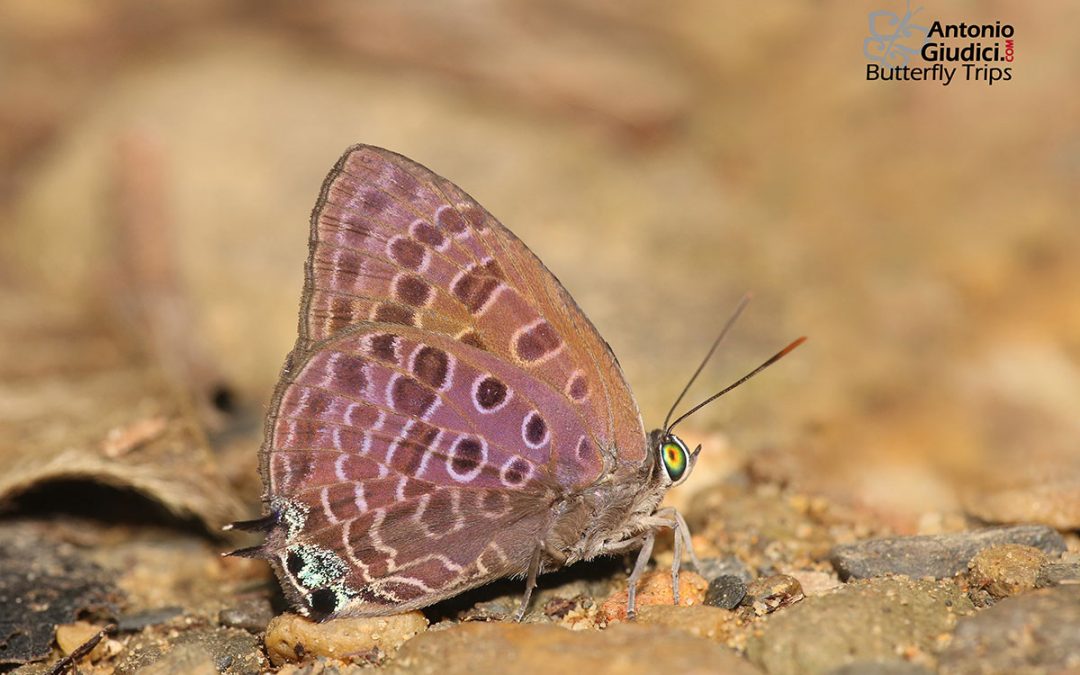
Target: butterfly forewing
[[395, 242], [443, 391], [594, 379]]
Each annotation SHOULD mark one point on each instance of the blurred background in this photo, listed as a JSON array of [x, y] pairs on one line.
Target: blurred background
[[158, 164]]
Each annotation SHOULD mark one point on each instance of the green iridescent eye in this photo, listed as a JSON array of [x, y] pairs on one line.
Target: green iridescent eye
[[676, 458]]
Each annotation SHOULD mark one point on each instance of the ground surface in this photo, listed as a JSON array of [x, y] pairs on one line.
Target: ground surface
[[156, 173]]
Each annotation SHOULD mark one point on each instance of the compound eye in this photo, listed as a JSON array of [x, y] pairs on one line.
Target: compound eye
[[676, 458]]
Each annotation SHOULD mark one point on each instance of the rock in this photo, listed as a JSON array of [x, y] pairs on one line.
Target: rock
[[938, 556], [700, 620], [894, 667], [1055, 574], [290, 637], [250, 614], [1051, 502], [324, 667], [814, 582], [496, 609], [133, 623], [231, 651], [655, 589], [43, 583], [623, 649], [1035, 632], [762, 521], [71, 636], [725, 591], [1006, 570], [712, 568], [769, 594], [864, 621], [191, 659]]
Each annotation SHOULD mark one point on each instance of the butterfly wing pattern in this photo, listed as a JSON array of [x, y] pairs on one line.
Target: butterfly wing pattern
[[447, 413]]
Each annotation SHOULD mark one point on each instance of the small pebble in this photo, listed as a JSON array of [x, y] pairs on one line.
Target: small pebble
[[655, 589], [769, 594], [814, 582], [894, 667], [292, 638], [1009, 569], [71, 636], [1056, 574], [250, 614], [725, 591], [190, 659], [499, 609], [133, 623], [711, 568], [1055, 503], [557, 608]]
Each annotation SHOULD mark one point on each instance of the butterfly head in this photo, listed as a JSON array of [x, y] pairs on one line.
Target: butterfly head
[[674, 459]]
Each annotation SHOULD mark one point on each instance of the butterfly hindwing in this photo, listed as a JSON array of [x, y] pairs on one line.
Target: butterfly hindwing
[[425, 407], [391, 447]]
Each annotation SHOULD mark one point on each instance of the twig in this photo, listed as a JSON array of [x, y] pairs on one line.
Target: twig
[[82, 650]]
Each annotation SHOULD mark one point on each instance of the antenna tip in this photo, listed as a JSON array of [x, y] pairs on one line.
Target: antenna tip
[[785, 351], [795, 343]]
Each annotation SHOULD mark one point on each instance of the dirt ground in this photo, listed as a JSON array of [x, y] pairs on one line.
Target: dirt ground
[[158, 164]]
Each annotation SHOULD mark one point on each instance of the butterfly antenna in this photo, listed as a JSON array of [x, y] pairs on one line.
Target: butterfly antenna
[[716, 343], [771, 360]]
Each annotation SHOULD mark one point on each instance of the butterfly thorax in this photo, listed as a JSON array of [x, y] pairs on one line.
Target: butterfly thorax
[[611, 511]]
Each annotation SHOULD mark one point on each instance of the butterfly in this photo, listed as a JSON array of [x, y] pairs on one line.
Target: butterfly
[[448, 415]]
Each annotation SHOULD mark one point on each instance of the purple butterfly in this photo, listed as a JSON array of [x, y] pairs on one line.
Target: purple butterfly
[[448, 415]]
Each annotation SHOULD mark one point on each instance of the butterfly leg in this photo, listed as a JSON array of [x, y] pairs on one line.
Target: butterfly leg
[[647, 539], [530, 583], [676, 563], [669, 517], [662, 518], [684, 531], [557, 557]]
